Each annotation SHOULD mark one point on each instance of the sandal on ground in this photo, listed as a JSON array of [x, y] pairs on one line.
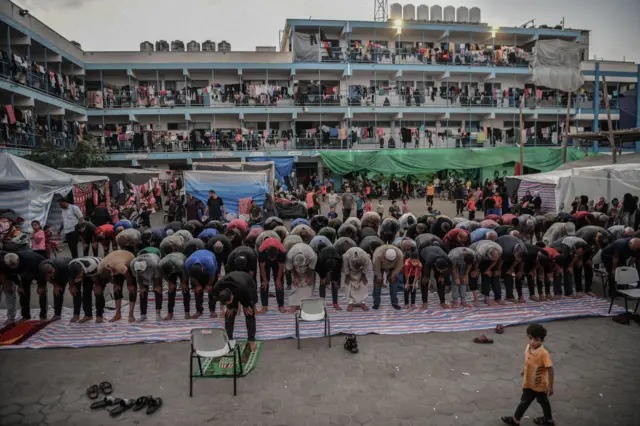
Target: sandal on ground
[[106, 388], [351, 344], [543, 421], [509, 420], [124, 405], [499, 329], [621, 319], [107, 401], [93, 392], [140, 403], [154, 405], [482, 340]]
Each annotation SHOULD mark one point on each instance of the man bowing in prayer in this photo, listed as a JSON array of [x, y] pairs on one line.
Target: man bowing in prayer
[[355, 265], [301, 261], [233, 290]]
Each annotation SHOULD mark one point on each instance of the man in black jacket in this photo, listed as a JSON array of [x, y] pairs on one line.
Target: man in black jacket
[[235, 289], [24, 266]]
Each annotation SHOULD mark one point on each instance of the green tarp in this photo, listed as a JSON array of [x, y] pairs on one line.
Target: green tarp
[[420, 161]]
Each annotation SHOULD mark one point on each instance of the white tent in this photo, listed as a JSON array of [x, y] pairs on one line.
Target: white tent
[[560, 187], [29, 188]]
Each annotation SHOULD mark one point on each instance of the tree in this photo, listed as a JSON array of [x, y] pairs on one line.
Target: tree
[[85, 154]]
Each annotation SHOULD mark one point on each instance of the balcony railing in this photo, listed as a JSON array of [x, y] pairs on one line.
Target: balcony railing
[[34, 141]]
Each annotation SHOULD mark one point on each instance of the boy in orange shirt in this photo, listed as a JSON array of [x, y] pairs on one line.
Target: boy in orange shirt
[[498, 199], [471, 207], [431, 192], [537, 378]]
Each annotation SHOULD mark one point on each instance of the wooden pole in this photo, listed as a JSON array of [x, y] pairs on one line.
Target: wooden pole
[[565, 140], [612, 142], [521, 138]]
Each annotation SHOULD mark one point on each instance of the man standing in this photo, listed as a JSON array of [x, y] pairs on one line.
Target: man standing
[[355, 265], [234, 290], [271, 256], [333, 199], [215, 207], [71, 216], [387, 259], [347, 203], [203, 273], [193, 208]]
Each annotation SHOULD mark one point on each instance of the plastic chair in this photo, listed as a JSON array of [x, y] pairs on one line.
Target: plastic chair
[[626, 277], [212, 343], [312, 310]]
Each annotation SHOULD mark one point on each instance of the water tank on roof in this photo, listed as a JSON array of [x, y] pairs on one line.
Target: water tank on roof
[[423, 12], [177, 46], [436, 13], [209, 46], [162, 46], [449, 14], [146, 46], [395, 11], [193, 46], [409, 12], [462, 14], [474, 15], [224, 46]]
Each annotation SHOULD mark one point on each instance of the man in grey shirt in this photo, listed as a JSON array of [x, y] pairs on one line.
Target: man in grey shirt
[[301, 261], [347, 203], [146, 269]]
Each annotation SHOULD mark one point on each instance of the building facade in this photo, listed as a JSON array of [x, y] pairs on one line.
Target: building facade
[[332, 84]]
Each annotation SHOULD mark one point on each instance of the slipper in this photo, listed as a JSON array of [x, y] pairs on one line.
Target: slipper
[[499, 329], [509, 420], [140, 403], [154, 405], [107, 401], [106, 388], [543, 421], [124, 405], [482, 340], [93, 392], [621, 319]]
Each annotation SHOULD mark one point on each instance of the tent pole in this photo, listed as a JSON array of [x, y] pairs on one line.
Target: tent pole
[[521, 138], [612, 142], [565, 140]]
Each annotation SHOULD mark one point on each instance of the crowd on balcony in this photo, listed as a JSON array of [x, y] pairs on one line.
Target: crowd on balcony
[[29, 73]]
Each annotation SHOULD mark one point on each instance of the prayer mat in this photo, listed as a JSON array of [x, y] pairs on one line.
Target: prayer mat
[[223, 367], [16, 333]]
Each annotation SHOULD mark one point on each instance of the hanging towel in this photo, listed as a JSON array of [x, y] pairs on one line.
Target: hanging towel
[[10, 114]]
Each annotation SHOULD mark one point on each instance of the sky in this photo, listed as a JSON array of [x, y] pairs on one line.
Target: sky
[[123, 24]]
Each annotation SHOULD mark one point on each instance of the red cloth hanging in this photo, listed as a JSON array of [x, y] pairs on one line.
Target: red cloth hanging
[[517, 169]]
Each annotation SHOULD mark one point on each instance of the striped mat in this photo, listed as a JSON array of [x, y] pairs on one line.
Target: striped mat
[[275, 325]]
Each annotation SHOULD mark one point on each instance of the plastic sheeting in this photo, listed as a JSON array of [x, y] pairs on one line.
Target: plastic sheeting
[[283, 167], [306, 47], [230, 186], [415, 162], [556, 65], [255, 167]]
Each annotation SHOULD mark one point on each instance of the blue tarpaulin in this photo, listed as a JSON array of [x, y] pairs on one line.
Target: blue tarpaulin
[[283, 167], [230, 186]]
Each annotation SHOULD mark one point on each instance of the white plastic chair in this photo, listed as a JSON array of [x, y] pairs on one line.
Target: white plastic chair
[[313, 310], [212, 343], [626, 277]]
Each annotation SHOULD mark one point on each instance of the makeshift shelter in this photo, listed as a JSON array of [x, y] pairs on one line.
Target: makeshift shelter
[[30, 189], [122, 180], [602, 160], [559, 187], [267, 167], [232, 187]]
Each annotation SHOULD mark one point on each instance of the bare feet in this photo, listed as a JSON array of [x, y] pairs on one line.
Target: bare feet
[[99, 320], [488, 302], [407, 307], [253, 346], [425, 306], [534, 298], [414, 307], [476, 304], [521, 300], [542, 298], [444, 306], [336, 307], [75, 318], [213, 315], [187, 315], [512, 300], [54, 318], [85, 319], [116, 318], [133, 319], [466, 305], [282, 310], [500, 302], [591, 294], [364, 307], [350, 308], [196, 315], [292, 310], [169, 317], [454, 305]]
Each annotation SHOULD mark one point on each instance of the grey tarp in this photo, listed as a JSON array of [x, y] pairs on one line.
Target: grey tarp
[[303, 49], [556, 65]]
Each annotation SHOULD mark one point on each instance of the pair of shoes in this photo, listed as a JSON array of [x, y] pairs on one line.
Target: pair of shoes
[[94, 390], [152, 404], [351, 344]]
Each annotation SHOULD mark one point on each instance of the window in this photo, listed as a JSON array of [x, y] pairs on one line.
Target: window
[[177, 126]]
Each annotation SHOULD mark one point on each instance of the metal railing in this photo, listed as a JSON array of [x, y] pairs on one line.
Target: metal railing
[[34, 141]]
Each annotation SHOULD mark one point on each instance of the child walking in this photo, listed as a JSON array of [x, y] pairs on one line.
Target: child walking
[[537, 378], [380, 208]]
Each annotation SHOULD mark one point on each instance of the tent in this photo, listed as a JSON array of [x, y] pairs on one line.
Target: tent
[[602, 160], [29, 188], [230, 186], [121, 178], [559, 187], [254, 167]]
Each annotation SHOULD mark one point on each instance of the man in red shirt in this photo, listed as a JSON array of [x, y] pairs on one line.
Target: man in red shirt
[[105, 235], [457, 237], [271, 257]]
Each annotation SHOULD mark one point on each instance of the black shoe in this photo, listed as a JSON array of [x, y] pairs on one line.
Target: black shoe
[[396, 307], [376, 307]]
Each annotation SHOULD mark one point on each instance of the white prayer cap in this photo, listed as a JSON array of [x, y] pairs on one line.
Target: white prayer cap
[[391, 255], [11, 260], [140, 266], [169, 232], [300, 260]]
